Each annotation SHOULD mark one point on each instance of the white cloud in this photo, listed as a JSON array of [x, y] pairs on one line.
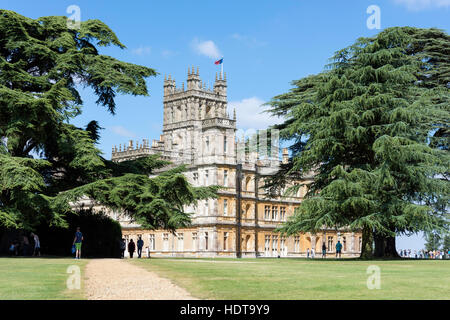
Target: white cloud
[[168, 53], [142, 50], [417, 5], [248, 41], [206, 48], [121, 131], [250, 115]]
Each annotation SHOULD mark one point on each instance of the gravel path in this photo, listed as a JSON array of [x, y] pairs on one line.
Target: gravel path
[[116, 279]]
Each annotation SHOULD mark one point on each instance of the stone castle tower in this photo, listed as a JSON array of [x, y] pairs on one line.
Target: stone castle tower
[[197, 128]]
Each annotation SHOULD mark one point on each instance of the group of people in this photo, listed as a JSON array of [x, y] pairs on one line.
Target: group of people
[[25, 246], [425, 254], [311, 254], [132, 248]]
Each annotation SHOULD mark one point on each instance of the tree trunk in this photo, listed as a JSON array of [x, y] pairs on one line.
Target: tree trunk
[[385, 247], [366, 247]]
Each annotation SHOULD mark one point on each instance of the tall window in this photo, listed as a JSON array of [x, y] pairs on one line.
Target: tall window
[[206, 176], [266, 212], [283, 247], [344, 244], [180, 242], [297, 243], [166, 242], [274, 245], [274, 212], [267, 246], [330, 244], [195, 177], [225, 241], [206, 240], [151, 241], [283, 213], [225, 144], [360, 244], [207, 143], [225, 207], [225, 178], [206, 207], [194, 241]]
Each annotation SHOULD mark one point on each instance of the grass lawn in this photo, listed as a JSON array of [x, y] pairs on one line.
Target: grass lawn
[[296, 279], [37, 278]]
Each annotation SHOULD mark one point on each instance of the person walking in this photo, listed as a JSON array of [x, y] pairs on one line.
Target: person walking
[[26, 245], [307, 253], [324, 250], [12, 249], [313, 253], [131, 248], [338, 248], [37, 245], [140, 245], [77, 243], [123, 246]]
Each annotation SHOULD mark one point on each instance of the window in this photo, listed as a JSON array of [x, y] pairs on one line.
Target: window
[[274, 246], [180, 242], [283, 213], [207, 143], [297, 243], [283, 247], [330, 244], [225, 178], [225, 241], [225, 207], [274, 213], [344, 244], [267, 246], [360, 244], [206, 176], [225, 144], [266, 212], [195, 177], [206, 207], [206, 240], [194, 241], [166, 242], [151, 241]]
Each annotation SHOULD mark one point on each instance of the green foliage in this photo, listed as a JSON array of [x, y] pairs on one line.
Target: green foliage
[[433, 241], [364, 128], [42, 65], [101, 235], [446, 243]]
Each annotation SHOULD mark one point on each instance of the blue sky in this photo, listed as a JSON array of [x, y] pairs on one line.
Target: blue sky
[[265, 45]]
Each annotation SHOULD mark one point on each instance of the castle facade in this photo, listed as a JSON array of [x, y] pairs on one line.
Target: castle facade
[[199, 132]]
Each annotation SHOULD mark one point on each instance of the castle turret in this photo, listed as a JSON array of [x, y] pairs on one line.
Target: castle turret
[[193, 80], [169, 86], [220, 85]]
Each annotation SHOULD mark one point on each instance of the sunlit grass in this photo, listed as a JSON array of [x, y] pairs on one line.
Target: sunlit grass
[[304, 279], [37, 279]]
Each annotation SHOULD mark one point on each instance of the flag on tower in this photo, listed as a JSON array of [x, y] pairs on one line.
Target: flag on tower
[[219, 61]]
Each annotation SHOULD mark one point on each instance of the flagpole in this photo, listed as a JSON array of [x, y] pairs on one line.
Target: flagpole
[[221, 69]]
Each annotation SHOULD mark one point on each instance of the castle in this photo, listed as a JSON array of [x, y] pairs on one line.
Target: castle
[[198, 132]]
